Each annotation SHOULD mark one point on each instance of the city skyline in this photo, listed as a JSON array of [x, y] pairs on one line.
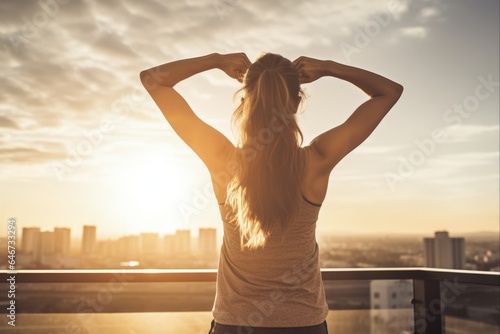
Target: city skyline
[[65, 233], [81, 143], [56, 249], [61, 239], [78, 237]]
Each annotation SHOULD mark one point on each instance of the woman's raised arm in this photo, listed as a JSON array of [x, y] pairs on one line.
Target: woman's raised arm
[[333, 145], [169, 74], [208, 143]]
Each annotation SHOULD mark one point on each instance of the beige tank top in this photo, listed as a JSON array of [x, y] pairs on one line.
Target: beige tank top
[[279, 285]]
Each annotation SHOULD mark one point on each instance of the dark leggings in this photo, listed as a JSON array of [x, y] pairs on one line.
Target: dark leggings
[[216, 328]]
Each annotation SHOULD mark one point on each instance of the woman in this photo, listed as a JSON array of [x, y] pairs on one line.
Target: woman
[[269, 187]]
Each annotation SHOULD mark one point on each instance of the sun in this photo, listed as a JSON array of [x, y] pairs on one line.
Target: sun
[[149, 189], [154, 184]]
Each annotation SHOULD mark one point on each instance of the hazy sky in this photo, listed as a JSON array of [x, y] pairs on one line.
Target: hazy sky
[[82, 143]]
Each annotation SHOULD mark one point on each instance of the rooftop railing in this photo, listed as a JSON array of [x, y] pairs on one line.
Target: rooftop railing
[[435, 294]]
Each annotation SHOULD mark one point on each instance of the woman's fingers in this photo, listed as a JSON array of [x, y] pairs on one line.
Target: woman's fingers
[[301, 68], [247, 61], [245, 64], [307, 67], [239, 75], [241, 65], [297, 63], [235, 65]]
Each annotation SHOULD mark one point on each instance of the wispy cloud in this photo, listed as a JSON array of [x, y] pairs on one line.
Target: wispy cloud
[[427, 13], [29, 155], [6, 122], [459, 168], [465, 159], [414, 32], [365, 149], [466, 133]]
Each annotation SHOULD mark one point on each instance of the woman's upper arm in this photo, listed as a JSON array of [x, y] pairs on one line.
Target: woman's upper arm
[[208, 143], [332, 146]]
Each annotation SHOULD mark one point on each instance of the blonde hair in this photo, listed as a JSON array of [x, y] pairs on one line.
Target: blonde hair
[[265, 192]]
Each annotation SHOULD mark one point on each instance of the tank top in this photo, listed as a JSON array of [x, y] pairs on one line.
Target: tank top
[[278, 285]]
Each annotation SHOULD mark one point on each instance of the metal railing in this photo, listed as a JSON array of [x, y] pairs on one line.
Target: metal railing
[[428, 291]]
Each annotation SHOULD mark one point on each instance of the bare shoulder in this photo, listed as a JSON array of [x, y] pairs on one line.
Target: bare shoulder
[[315, 177], [223, 170]]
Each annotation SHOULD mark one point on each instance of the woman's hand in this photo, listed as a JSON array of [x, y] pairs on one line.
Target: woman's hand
[[310, 69], [234, 65]]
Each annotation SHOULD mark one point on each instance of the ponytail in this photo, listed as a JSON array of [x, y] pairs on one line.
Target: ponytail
[[265, 193]]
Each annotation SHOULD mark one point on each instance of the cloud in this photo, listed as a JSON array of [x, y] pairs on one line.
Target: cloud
[[427, 13], [414, 32], [459, 168], [466, 159], [6, 122], [29, 155], [466, 133], [364, 149]]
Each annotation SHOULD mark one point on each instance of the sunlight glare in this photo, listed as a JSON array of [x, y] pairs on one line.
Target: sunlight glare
[[150, 188]]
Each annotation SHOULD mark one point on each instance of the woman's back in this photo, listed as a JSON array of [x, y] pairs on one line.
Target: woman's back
[[278, 285]]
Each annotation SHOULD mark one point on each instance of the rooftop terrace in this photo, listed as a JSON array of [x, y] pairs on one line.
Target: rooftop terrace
[[381, 300]]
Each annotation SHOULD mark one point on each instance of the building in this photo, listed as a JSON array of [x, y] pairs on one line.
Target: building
[[30, 239], [150, 243], [390, 306], [62, 241], [444, 252], [169, 245], [107, 248], [30, 242], [207, 243], [390, 294], [128, 247], [89, 240], [47, 243], [47, 257], [183, 242]]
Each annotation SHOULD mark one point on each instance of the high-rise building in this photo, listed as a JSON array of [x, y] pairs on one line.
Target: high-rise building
[[207, 242], [128, 247], [169, 245], [390, 294], [62, 240], [89, 240], [444, 252], [30, 242], [46, 243], [183, 242], [390, 305], [107, 248], [150, 243]]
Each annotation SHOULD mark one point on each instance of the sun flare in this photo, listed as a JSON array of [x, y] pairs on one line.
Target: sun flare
[[150, 190]]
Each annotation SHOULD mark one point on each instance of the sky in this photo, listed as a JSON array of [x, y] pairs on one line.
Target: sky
[[81, 143]]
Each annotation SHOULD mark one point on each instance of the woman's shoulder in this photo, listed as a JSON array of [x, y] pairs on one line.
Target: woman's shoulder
[[314, 181], [223, 172]]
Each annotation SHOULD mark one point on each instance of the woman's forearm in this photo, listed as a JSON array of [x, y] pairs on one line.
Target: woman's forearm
[[371, 83], [170, 74]]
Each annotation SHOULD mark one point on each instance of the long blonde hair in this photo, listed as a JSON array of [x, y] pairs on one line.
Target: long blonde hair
[[265, 192]]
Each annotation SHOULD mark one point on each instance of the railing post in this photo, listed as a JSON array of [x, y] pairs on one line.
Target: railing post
[[427, 306]]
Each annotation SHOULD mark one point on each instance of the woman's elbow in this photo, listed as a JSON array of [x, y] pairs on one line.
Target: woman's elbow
[[148, 81], [144, 75], [397, 91]]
